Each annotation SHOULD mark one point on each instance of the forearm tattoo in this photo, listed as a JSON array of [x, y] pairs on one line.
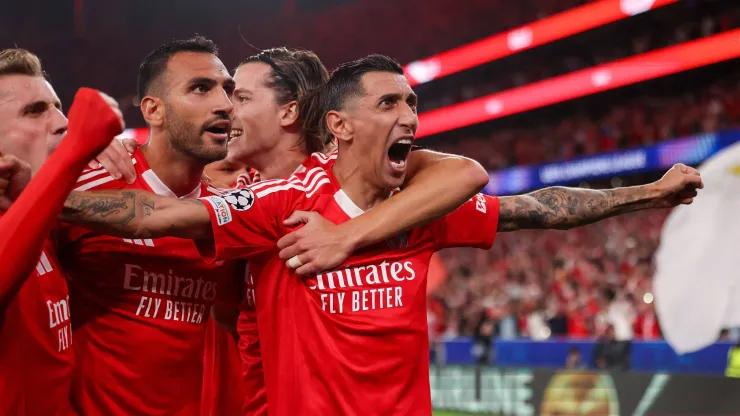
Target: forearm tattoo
[[564, 208], [119, 210]]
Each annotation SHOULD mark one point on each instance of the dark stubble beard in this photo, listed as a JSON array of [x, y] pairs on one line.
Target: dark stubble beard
[[187, 138]]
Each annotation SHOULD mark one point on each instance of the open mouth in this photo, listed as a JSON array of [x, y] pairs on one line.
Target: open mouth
[[220, 128], [398, 153], [235, 133]]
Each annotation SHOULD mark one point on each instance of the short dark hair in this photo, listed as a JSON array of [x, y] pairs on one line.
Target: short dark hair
[[296, 75], [155, 64], [345, 81]]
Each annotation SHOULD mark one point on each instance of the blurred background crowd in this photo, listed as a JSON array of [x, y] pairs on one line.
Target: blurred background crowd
[[585, 283]]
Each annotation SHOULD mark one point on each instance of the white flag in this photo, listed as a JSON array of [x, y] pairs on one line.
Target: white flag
[[697, 280]]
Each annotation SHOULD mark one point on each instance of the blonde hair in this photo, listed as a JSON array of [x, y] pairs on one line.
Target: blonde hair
[[20, 62]]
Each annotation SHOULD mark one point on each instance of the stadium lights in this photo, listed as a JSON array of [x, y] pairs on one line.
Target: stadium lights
[[556, 27], [638, 68]]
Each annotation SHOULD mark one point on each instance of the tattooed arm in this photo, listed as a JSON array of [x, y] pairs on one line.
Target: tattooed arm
[[562, 208], [138, 214]]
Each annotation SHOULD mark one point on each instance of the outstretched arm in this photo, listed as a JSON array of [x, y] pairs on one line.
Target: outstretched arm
[[138, 214], [561, 208], [94, 122], [437, 184]]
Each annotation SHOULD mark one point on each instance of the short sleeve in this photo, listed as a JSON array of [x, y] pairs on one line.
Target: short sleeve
[[244, 224], [474, 224]]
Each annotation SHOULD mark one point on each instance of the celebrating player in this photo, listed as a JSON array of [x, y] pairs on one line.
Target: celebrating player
[[354, 339], [36, 357], [141, 306]]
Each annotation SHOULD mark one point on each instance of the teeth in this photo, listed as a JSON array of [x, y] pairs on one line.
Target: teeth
[[236, 132], [398, 165], [405, 141]]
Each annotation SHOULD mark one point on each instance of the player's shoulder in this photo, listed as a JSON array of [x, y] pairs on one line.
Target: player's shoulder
[[318, 159], [100, 179], [300, 185]]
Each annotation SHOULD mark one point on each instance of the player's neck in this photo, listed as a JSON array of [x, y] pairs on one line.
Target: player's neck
[[178, 172], [355, 184], [278, 162]]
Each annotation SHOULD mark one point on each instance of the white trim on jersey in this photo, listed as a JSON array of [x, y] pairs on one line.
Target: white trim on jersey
[[161, 189], [291, 179], [43, 266], [348, 206], [145, 242], [316, 178], [215, 190], [94, 173], [95, 183]]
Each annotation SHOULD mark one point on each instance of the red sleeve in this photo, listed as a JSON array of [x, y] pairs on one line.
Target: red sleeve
[[244, 224], [474, 224]]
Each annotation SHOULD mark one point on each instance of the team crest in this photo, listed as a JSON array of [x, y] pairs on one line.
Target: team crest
[[240, 199], [399, 242]]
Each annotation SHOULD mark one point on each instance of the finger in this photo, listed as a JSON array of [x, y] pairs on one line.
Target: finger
[[288, 240], [308, 269], [687, 201], [130, 145], [688, 194], [123, 162], [294, 262], [291, 251], [297, 217], [94, 164], [109, 165]]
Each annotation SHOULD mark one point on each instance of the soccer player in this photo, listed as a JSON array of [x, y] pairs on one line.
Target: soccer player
[[224, 173], [354, 340], [36, 358], [141, 305]]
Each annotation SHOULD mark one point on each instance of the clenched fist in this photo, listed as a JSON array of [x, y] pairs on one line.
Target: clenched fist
[[679, 186]]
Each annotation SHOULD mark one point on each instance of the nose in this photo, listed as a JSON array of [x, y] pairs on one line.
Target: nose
[[58, 122], [409, 119], [224, 104]]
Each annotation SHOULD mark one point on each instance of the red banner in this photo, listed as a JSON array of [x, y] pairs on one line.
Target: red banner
[[559, 26], [638, 68]]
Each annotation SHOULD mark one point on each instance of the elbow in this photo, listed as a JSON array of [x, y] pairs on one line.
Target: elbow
[[475, 175]]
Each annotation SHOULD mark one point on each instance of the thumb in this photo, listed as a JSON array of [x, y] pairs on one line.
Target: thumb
[[298, 217]]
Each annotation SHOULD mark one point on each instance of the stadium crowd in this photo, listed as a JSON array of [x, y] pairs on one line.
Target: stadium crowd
[[553, 284], [646, 120]]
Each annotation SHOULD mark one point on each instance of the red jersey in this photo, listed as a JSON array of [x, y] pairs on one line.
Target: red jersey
[[36, 355], [255, 397], [353, 340], [142, 307], [223, 385]]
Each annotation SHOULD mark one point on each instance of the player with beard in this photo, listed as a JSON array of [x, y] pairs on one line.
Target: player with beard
[[141, 306], [355, 339], [36, 355], [276, 129]]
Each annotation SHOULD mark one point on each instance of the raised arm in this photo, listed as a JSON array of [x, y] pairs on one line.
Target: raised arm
[[138, 214], [94, 121], [436, 185], [561, 208]]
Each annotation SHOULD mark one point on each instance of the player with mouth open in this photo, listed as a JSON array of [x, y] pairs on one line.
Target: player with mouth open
[[353, 340]]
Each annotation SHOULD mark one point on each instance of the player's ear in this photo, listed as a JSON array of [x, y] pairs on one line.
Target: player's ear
[[153, 110], [338, 125], [289, 114]]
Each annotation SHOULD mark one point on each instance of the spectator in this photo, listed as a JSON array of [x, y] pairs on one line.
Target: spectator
[[611, 354], [575, 360]]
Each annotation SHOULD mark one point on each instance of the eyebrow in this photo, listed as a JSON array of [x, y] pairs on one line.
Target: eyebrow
[[242, 91], [36, 105], [202, 80]]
